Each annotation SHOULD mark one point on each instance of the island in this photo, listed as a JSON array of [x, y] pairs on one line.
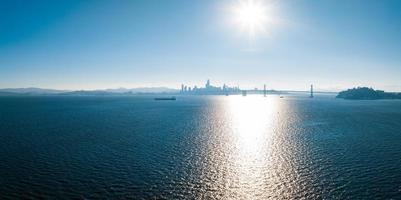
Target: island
[[365, 93]]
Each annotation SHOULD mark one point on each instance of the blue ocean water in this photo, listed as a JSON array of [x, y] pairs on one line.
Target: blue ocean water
[[199, 147]]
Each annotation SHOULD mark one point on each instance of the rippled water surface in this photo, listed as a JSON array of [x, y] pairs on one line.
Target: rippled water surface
[[212, 147]]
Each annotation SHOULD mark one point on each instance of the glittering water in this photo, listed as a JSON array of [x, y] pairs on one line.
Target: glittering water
[[212, 147]]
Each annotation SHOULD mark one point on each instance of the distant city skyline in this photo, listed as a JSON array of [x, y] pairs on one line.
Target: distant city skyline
[[287, 45], [209, 89]]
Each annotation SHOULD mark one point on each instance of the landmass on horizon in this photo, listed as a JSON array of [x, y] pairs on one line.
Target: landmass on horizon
[[358, 93], [365, 93]]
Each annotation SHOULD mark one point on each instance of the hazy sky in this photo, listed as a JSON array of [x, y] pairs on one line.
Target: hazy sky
[[107, 44]]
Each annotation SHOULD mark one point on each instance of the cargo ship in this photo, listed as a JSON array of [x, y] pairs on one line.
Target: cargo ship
[[165, 98]]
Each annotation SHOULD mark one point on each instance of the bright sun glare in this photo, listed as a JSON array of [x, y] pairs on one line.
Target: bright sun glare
[[252, 16]]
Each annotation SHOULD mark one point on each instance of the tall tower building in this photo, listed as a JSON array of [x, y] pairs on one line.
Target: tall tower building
[[264, 90], [311, 91], [207, 83]]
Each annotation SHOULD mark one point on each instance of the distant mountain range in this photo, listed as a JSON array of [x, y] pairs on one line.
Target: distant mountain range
[[118, 91], [31, 90]]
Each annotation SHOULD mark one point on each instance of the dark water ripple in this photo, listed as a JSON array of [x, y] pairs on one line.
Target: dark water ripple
[[199, 148]]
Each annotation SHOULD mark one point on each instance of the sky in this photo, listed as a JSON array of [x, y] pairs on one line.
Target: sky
[[95, 44]]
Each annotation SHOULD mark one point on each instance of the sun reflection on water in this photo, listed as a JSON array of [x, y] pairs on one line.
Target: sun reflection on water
[[252, 120], [247, 155]]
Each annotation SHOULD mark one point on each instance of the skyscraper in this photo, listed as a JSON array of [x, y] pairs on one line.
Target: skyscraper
[[264, 90]]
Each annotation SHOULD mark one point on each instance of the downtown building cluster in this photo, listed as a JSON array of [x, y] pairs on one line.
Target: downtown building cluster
[[209, 89]]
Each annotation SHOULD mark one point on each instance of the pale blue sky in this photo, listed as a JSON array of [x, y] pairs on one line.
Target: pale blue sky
[[132, 43]]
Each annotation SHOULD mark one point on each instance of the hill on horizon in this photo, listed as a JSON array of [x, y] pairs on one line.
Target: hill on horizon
[[43, 91]]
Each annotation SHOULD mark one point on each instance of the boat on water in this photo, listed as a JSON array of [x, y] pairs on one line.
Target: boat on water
[[165, 98]]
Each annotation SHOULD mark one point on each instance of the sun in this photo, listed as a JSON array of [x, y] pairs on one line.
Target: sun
[[253, 17]]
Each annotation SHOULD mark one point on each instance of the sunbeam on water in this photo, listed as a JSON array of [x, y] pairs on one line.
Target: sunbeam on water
[[243, 156], [252, 121]]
